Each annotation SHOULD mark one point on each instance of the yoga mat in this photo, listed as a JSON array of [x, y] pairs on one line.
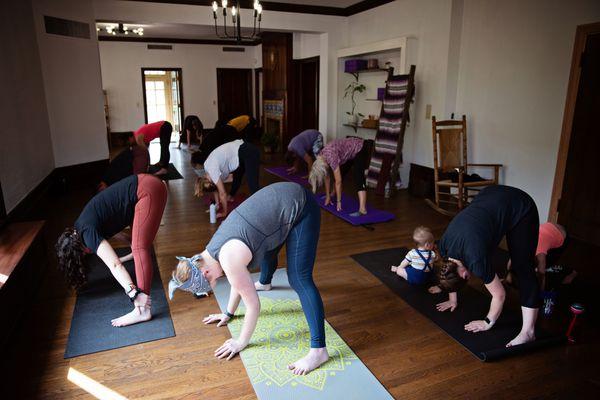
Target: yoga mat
[[472, 305], [103, 299], [282, 173], [350, 205], [171, 174], [281, 337]]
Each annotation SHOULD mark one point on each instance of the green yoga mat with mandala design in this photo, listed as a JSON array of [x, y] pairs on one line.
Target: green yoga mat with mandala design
[[282, 337]]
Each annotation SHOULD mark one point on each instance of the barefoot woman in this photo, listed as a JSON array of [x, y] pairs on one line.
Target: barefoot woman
[[475, 233], [137, 201], [255, 232]]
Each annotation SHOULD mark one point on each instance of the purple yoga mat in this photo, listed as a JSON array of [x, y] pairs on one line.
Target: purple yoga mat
[[350, 205], [282, 173]]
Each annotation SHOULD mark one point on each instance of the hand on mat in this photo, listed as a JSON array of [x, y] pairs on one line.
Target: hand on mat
[[477, 326], [229, 349], [212, 318], [446, 305], [434, 290]]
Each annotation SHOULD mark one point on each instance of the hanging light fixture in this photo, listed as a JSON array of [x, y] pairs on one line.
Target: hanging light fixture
[[121, 29], [236, 21]]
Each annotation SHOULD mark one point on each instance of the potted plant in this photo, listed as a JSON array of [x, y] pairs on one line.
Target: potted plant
[[270, 141], [351, 90]]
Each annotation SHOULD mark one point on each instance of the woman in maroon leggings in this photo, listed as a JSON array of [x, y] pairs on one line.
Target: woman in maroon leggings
[[137, 201]]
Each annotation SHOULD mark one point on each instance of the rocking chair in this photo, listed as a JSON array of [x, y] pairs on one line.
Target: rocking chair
[[453, 184]]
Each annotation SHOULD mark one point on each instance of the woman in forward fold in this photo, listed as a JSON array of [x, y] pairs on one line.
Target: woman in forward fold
[[148, 132], [254, 234], [305, 146], [137, 201], [340, 156], [473, 235]]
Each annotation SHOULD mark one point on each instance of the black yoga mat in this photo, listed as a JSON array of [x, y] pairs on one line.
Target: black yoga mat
[[472, 305], [103, 299], [171, 174]]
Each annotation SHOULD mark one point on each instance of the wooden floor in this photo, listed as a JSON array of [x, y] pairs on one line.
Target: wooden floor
[[411, 357]]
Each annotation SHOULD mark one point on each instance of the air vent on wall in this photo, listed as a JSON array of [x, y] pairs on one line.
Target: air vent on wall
[[160, 47], [66, 27], [234, 49]]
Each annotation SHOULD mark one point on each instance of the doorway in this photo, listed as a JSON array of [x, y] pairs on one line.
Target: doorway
[[163, 97], [234, 92], [576, 194], [306, 73]]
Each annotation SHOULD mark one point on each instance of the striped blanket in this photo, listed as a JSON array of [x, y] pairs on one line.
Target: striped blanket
[[386, 140]]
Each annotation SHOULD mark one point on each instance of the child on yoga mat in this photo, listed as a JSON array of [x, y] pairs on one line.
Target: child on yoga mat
[[137, 201], [417, 266]]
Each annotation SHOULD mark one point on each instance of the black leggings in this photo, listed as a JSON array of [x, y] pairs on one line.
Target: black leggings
[[165, 140], [522, 242], [358, 165], [249, 156]]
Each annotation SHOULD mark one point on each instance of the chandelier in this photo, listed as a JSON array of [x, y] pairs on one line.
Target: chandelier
[[121, 29], [235, 19]]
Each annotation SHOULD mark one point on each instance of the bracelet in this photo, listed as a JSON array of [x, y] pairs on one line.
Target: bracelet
[[135, 295], [487, 321], [132, 287], [230, 315]]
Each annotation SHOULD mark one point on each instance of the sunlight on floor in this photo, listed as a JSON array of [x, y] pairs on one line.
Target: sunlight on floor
[[94, 388]]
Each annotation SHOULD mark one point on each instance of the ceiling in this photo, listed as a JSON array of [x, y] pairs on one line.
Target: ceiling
[[330, 3]]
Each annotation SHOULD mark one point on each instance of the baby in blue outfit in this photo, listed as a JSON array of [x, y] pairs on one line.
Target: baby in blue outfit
[[417, 266]]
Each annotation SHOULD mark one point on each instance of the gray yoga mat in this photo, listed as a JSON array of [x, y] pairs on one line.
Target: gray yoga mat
[[103, 299], [281, 337], [472, 305]]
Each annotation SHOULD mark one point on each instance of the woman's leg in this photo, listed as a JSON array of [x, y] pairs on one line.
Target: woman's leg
[[522, 243], [301, 248], [360, 182], [250, 156], [141, 159], [165, 140]]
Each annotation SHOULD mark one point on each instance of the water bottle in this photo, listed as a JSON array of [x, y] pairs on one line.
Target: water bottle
[[388, 190], [213, 213]]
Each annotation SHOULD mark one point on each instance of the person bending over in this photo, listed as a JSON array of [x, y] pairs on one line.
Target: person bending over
[[148, 132], [237, 158], [473, 235], [304, 146], [339, 156], [192, 127], [137, 201], [417, 266], [221, 134], [253, 234]]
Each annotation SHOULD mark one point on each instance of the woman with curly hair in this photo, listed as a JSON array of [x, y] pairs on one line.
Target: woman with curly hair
[[192, 127], [137, 201], [470, 239]]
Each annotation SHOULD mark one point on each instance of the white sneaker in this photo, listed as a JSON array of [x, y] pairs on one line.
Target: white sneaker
[[259, 286]]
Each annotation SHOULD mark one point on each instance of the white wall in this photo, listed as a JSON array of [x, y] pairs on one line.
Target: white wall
[[72, 82], [429, 22], [121, 76], [26, 153], [306, 45], [515, 59]]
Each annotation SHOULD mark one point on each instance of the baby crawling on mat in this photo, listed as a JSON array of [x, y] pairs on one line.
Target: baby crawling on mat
[[417, 266]]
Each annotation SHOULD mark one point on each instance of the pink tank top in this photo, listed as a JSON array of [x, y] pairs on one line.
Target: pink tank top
[[150, 131]]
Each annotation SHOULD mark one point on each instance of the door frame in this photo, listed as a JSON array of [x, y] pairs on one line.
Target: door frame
[[250, 80], [180, 79], [581, 35], [311, 60]]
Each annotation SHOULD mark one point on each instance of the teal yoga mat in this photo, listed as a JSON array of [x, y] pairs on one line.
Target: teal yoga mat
[[281, 337]]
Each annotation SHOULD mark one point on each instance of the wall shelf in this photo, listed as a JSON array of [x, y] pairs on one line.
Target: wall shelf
[[355, 74]]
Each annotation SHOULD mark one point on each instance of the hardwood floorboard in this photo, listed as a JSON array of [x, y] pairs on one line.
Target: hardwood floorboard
[[411, 357]]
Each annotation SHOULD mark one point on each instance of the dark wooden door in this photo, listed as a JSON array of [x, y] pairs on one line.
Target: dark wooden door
[[579, 206], [234, 92], [305, 104]]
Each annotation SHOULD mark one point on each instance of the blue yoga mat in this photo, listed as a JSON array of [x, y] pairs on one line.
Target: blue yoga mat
[[282, 337], [282, 173], [103, 299]]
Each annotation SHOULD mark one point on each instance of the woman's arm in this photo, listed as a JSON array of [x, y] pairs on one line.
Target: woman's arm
[[111, 259], [337, 175], [222, 198], [327, 189], [498, 295], [309, 161], [234, 258]]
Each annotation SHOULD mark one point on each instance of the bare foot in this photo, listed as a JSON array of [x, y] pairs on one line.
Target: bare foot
[[138, 314], [311, 361], [434, 290], [523, 337], [259, 286]]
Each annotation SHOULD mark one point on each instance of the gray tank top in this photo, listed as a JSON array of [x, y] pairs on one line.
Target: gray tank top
[[262, 222]]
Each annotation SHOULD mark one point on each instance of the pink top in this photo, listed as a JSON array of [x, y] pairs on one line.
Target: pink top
[[550, 238], [150, 131], [339, 151]]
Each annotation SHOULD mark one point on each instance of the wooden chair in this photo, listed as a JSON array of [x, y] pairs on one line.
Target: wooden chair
[[453, 185]]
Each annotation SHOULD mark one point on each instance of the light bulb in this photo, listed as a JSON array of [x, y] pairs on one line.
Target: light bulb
[[233, 11], [224, 3], [259, 8], [125, 28], [113, 32], [256, 4], [215, 6], [141, 33]]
